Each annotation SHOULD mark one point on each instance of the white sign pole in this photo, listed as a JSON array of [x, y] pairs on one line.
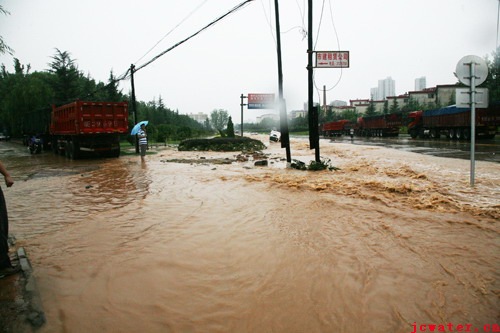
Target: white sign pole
[[472, 122], [471, 71]]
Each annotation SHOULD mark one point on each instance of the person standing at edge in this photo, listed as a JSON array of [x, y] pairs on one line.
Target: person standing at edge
[[143, 141], [5, 264]]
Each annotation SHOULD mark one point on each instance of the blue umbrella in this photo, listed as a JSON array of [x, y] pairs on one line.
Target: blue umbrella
[[137, 126]]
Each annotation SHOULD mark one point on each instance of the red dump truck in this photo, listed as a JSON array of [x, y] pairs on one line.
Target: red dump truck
[[454, 123], [93, 127], [335, 128], [380, 125]]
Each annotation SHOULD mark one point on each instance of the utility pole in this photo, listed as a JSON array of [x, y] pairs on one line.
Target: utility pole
[[134, 104], [324, 99], [312, 112], [242, 105], [285, 136]]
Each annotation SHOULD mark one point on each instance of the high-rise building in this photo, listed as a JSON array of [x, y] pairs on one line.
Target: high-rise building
[[386, 87], [420, 83]]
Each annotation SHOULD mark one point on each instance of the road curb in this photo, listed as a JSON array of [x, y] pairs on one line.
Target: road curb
[[35, 314]]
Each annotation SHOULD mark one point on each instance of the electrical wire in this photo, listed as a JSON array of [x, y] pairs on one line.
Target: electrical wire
[[241, 5], [268, 19], [172, 30], [338, 47], [127, 74]]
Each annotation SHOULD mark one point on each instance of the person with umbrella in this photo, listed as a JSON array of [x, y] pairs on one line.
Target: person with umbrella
[[143, 141]]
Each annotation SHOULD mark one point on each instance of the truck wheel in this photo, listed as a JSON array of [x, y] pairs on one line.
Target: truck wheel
[[413, 133], [69, 150], [466, 133], [452, 135], [434, 133], [459, 133], [115, 153]]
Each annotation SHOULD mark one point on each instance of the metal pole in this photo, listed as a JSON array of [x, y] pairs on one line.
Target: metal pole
[[313, 116], [242, 104], [472, 122], [134, 104], [285, 136]]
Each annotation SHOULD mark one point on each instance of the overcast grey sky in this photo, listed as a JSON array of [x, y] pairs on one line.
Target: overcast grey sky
[[404, 39]]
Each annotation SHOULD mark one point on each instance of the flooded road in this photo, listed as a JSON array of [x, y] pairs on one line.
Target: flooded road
[[392, 239], [485, 150]]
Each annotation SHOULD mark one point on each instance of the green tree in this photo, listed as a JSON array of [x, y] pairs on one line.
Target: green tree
[[349, 114], [230, 128], [394, 106], [219, 120], [386, 107], [24, 100], [493, 80], [4, 48], [67, 77], [370, 111]]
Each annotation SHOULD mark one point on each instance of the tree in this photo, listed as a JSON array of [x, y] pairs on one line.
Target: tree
[[4, 48], [493, 80], [395, 106], [67, 77], [230, 128], [386, 107], [370, 111], [219, 120]]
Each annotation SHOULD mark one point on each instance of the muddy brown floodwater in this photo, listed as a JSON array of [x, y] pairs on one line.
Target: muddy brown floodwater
[[391, 239]]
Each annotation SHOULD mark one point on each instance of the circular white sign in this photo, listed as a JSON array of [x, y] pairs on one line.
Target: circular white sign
[[463, 70]]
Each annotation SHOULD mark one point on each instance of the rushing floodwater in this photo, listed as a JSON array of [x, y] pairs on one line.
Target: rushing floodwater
[[120, 246]]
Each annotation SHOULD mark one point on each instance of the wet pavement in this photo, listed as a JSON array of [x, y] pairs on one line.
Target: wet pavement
[[485, 150], [156, 257], [20, 303]]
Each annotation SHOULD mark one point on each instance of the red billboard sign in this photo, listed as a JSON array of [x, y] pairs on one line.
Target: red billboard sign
[[261, 101], [332, 59]]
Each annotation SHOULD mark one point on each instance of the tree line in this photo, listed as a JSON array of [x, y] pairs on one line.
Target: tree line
[[27, 97]]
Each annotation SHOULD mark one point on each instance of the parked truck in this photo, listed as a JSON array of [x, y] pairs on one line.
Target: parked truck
[[335, 128], [380, 125], [93, 127], [454, 123]]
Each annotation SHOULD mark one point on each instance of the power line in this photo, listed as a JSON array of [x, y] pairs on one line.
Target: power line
[[168, 33], [241, 5], [338, 45]]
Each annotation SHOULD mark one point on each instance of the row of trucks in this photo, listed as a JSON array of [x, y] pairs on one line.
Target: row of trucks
[[451, 122], [384, 125], [81, 127]]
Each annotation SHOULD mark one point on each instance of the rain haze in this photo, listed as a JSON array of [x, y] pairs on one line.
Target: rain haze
[[403, 40]]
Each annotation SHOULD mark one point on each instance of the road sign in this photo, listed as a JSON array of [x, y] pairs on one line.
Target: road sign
[[463, 70], [332, 59], [261, 101], [463, 97], [472, 71]]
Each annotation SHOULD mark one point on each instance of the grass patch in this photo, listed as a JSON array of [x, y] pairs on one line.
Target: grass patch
[[222, 144]]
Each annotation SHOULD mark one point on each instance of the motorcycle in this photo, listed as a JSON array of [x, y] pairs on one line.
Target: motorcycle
[[35, 146]]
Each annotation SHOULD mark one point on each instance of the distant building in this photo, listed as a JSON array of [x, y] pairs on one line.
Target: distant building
[[199, 117], [420, 83], [271, 116], [297, 114], [400, 101], [424, 97], [446, 94], [338, 103], [386, 87]]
